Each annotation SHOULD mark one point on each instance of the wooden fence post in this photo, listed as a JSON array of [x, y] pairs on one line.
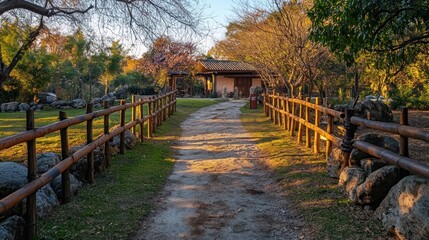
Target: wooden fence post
[[89, 138], [169, 106], [272, 107], [149, 120], [141, 119], [285, 116], [299, 140], [122, 135], [133, 113], [106, 131], [279, 119], [307, 129], [403, 150], [317, 125], [65, 176], [175, 99], [30, 222], [329, 130], [292, 120], [347, 144]]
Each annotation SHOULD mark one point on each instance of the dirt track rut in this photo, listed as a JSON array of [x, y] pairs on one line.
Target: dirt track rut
[[219, 188]]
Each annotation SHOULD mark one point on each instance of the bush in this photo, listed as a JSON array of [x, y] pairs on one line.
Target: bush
[[138, 90]]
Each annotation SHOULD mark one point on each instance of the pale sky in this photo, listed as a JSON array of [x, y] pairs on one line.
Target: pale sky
[[222, 12]]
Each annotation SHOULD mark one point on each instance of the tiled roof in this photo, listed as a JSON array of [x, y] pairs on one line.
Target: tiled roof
[[226, 65]]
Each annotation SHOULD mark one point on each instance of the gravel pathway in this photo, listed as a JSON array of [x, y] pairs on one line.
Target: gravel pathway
[[219, 188]]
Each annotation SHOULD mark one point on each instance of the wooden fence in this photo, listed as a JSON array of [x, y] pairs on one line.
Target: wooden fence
[[303, 118], [159, 108], [288, 112]]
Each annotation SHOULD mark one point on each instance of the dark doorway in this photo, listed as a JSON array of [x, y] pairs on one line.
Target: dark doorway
[[243, 85]]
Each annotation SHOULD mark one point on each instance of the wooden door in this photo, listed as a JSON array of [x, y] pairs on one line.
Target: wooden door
[[243, 85]]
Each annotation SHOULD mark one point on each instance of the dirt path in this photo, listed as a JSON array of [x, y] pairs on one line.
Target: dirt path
[[219, 188]]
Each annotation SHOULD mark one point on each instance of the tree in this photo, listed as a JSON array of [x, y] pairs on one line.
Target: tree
[[138, 19], [165, 55], [113, 61], [275, 39], [392, 29]]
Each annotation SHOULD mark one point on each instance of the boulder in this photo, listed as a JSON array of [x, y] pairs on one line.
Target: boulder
[[56, 185], [9, 107], [23, 107], [59, 103], [370, 165], [130, 139], [385, 142], [78, 103], [45, 98], [335, 159], [121, 92], [46, 201], [80, 168], [377, 110], [46, 161], [405, 209], [13, 176], [12, 228], [96, 101], [377, 185], [350, 179]]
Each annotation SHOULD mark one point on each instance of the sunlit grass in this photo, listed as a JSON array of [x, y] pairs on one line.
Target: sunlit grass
[[114, 206], [303, 176], [13, 123]]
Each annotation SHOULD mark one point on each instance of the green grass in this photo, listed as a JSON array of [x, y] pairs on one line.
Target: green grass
[[13, 123], [114, 206], [303, 176]]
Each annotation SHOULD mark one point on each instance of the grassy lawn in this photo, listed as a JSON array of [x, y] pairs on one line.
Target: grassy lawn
[[13, 123], [114, 206], [303, 176]]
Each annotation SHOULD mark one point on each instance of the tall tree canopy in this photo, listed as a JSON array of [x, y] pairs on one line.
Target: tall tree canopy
[[138, 19], [392, 29]]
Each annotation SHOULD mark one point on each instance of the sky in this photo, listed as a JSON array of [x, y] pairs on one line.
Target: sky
[[221, 12]]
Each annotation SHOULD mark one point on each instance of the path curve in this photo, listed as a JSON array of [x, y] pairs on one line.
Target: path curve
[[219, 188]]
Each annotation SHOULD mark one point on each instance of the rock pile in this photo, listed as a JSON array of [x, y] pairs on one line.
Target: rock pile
[[49, 101], [13, 176], [375, 110], [401, 203]]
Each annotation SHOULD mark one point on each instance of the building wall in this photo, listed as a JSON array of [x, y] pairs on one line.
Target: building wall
[[222, 81]]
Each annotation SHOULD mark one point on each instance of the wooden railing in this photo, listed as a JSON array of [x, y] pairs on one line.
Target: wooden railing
[[303, 118], [290, 111], [159, 108]]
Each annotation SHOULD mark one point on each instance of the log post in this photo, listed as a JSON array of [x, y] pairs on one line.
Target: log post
[[122, 135], [107, 156], [275, 105], [279, 119], [292, 120], [89, 138], [149, 120], [285, 116], [307, 129], [403, 150], [347, 144], [329, 130], [169, 106], [30, 222], [272, 107], [65, 176], [141, 119], [317, 125], [300, 124], [133, 114]]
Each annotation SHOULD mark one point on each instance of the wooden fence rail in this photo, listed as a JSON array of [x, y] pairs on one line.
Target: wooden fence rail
[[159, 108], [296, 114], [276, 106]]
